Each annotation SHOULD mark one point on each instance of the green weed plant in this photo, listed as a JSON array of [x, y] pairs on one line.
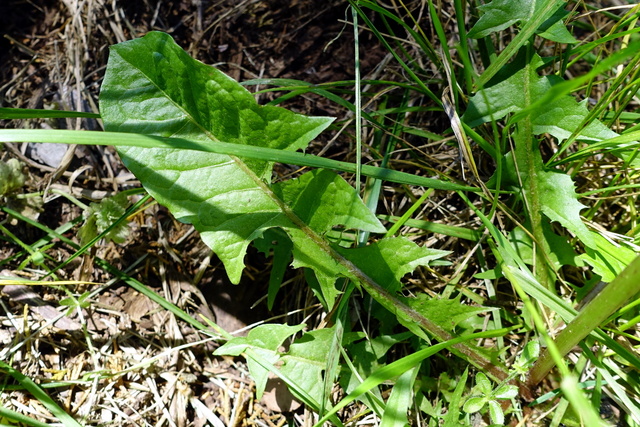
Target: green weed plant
[[201, 146]]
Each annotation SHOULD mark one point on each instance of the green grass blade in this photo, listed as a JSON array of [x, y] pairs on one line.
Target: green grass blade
[[581, 51], [401, 366], [591, 316], [611, 374], [442, 37], [523, 36], [358, 95], [27, 113], [400, 400], [16, 416], [40, 394], [624, 142], [138, 286], [418, 36], [401, 221], [580, 403], [468, 69], [455, 401], [422, 87], [240, 150], [320, 88], [447, 230]]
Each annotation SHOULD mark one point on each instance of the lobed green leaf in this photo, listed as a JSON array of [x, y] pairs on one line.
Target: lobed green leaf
[[265, 341], [501, 14], [560, 203], [153, 87], [560, 117]]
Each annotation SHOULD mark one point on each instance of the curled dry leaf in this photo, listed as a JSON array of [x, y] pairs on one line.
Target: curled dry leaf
[[24, 295], [278, 398]]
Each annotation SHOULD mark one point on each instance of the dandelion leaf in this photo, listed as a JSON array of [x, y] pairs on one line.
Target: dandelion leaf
[[560, 117], [390, 259], [608, 259], [264, 340], [306, 361], [500, 14], [303, 364], [559, 202], [154, 87], [447, 313]]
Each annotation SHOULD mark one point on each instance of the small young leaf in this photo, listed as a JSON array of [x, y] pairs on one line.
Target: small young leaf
[[11, 176], [531, 351], [495, 412], [529, 354], [37, 258], [483, 384], [100, 216], [82, 301], [526, 359], [474, 404], [506, 391]]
